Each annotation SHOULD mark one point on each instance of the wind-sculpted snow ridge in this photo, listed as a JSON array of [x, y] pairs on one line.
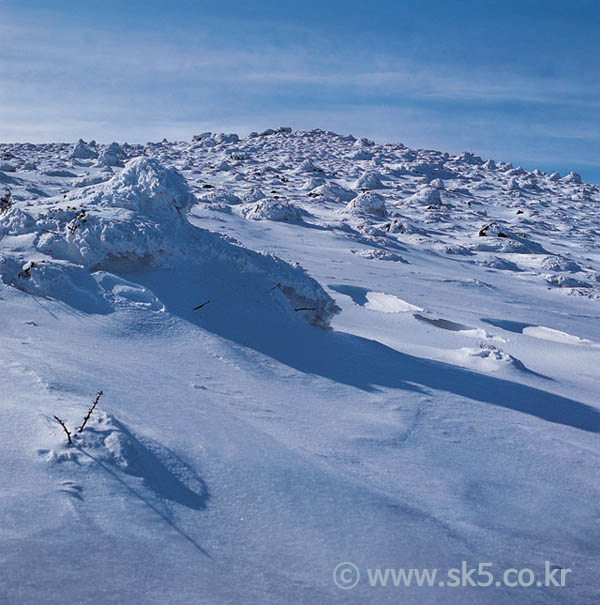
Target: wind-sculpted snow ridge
[[65, 246]]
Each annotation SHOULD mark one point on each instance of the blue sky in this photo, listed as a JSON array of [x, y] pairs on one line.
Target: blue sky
[[518, 81]]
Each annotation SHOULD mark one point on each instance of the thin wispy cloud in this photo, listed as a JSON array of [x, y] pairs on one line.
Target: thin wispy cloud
[[65, 80]]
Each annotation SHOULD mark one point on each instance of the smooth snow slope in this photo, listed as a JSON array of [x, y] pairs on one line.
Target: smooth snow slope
[[312, 349]]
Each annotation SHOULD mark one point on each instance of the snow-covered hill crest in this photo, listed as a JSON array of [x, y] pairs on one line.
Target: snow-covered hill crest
[[448, 416]]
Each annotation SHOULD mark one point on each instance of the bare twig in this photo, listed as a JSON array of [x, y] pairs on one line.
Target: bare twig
[[482, 231], [305, 309], [66, 430], [26, 273], [87, 417], [202, 305]]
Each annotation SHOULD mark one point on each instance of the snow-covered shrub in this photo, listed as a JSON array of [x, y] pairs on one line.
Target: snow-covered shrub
[[82, 151], [367, 203], [468, 158], [563, 281], [495, 237], [108, 158], [572, 177], [559, 263], [313, 182], [273, 210], [223, 166], [378, 254], [496, 262], [368, 180], [333, 191], [220, 196], [112, 155], [7, 167], [253, 195], [360, 153], [307, 166], [426, 195], [512, 185]]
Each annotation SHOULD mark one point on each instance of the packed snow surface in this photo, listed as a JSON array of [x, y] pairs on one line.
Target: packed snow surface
[[312, 350]]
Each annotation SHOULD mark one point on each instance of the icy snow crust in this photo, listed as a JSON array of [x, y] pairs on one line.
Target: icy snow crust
[[448, 412]]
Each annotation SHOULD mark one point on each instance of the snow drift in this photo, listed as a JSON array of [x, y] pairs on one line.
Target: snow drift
[[64, 247]]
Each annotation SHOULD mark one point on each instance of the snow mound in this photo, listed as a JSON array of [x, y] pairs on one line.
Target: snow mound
[[499, 238], [144, 186], [572, 177], [360, 154], [402, 225], [107, 441], [313, 182], [210, 139], [253, 195], [273, 210], [437, 184], [559, 263], [368, 180], [59, 172], [220, 196], [7, 167], [512, 185], [503, 264], [333, 191], [82, 151], [378, 254], [468, 158], [307, 166], [427, 194], [453, 326], [489, 358], [388, 303], [112, 155], [564, 281], [367, 203], [87, 181], [554, 335]]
